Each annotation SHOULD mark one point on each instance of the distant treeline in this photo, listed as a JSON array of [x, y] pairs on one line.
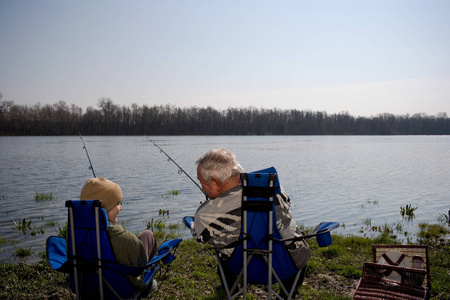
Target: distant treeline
[[112, 119]]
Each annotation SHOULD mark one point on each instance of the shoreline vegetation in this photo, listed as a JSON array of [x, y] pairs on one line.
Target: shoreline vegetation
[[62, 119], [332, 273]]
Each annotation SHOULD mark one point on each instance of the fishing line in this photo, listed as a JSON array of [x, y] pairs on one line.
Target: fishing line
[[91, 167], [180, 169]]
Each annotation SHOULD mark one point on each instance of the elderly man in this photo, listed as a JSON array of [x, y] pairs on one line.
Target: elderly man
[[218, 221]]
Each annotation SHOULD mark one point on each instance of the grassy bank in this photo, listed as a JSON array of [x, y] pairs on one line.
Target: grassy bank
[[332, 273]]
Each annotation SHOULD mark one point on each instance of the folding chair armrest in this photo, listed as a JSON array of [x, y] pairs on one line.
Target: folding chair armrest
[[324, 228], [188, 220], [410, 276], [297, 238], [189, 223], [164, 252]]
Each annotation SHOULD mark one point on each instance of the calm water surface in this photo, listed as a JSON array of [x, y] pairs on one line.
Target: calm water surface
[[358, 181]]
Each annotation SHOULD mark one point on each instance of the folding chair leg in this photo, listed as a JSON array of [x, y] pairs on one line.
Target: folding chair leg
[[295, 283], [226, 281], [223, 279]]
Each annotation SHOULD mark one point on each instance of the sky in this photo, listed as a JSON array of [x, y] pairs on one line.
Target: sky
[[361, 57]]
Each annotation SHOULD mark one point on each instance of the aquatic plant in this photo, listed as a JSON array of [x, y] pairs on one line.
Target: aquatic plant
[[163, 212], [399, 227], [174, 192], [432, 234], [62, 231], [50, 223], [170, 194], [39, 197], [407, 211], [367, 222], [369, 202], [391, 230], [25, 227], [174, 226], [23, 252], [387, 228], [444, 218], [158, 226]]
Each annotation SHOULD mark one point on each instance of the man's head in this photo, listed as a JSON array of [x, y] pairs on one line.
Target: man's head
[[218, 171]]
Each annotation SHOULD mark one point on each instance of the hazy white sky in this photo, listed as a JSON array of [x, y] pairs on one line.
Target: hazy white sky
[[364, 57]]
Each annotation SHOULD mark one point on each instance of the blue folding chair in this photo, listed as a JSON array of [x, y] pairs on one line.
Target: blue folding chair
[[261, 256], [88, 257]]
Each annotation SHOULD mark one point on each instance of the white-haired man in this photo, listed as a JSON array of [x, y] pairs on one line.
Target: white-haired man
[[218, 221]]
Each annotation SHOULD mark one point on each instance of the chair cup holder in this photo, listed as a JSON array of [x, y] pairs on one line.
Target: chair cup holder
[[324, 240]]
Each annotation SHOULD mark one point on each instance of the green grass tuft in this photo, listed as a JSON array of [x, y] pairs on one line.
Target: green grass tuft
[[23, 252]]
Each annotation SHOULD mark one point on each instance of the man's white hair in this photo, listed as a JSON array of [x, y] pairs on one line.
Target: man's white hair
[[220, 164]]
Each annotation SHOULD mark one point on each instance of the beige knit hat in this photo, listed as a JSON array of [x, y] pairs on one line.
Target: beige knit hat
[[102, 189]]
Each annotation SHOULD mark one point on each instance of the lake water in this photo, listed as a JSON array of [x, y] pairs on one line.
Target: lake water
[[358, 181]]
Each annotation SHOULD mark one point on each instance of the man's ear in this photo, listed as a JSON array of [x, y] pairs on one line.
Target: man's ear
[[217, 182]]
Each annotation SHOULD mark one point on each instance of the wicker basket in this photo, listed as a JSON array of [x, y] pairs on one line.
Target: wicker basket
[[374, 286]]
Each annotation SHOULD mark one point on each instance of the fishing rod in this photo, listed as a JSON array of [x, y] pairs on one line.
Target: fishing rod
[[180, 169], [91, 167]]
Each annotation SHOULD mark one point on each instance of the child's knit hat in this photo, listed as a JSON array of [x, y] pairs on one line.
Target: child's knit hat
[[102, 189]]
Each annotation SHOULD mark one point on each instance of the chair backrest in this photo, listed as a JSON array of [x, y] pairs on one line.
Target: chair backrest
[[413, 256], [259, 232], [89, 251]]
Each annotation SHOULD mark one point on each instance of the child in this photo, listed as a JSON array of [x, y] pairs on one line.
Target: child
[[129, 249]]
